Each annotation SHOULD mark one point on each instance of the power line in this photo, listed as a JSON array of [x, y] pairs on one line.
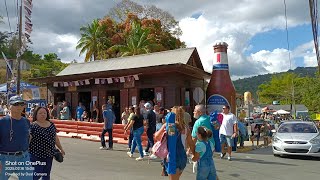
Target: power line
[[5, 3], [313, 5], [287, 32]]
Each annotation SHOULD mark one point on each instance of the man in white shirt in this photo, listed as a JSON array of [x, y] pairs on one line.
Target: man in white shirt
[[228, 131]]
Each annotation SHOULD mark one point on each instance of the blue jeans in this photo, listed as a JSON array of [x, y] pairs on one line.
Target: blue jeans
[[20, 165], [206, 170], [130, 138], [241, 139], [137, 140], [42, 170], [103, 141], [150, 133]]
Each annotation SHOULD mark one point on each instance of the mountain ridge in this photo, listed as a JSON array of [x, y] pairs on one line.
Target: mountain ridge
[[251, 84]]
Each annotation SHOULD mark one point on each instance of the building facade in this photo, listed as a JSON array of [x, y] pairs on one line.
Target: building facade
[[166, 78]]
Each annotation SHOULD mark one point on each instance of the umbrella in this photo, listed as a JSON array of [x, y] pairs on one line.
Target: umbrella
[[281, 111]]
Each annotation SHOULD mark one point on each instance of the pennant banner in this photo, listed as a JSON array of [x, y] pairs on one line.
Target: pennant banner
[[136, 77], [97, 81], [109, 80], [28, 4], [122, 79]]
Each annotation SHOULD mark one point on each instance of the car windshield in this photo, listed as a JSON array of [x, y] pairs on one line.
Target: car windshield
[[297, 128]]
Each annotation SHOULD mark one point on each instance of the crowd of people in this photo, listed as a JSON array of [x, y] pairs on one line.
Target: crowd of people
[[184, 138], [191, 140]]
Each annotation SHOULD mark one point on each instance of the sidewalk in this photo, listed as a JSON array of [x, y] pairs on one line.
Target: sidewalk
[[248, 146]]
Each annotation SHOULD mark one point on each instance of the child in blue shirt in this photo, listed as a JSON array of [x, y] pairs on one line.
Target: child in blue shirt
[[203, 155]]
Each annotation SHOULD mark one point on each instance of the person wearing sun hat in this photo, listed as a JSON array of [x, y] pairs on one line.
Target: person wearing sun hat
[[14, 142]]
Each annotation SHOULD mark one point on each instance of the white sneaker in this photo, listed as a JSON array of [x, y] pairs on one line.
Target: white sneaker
[[129, 154], [145, 153], [229, 158], [103, 148], [139, 159], [152, 156]]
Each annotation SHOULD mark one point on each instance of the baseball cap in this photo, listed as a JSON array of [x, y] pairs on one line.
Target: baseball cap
[[16, 99], [147, 105]]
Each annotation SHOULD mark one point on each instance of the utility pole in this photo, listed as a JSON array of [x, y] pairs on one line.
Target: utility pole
[[20, 46]]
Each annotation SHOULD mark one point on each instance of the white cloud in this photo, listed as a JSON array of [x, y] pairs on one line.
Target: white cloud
[[236, 24]]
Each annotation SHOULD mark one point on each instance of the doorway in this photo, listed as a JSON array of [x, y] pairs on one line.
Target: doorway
[[114, 96], [85, 98], [147, 95]]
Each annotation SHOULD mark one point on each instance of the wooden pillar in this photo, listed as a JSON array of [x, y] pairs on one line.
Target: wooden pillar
[[182, 96], [124, 99], [170, 98], [74, 104]]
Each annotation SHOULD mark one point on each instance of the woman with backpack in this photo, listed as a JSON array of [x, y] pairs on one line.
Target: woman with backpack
[[183, 134], [137, 126]]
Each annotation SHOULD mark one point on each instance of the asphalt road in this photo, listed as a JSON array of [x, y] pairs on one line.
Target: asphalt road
[[84, 161]]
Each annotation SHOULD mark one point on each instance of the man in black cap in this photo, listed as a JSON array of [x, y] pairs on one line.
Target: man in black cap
[[14, 142]]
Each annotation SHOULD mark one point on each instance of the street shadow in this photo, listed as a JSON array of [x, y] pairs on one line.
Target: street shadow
[[302, 158], [258, 161], [261, 151]]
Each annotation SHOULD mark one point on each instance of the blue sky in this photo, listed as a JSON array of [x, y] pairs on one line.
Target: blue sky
[[278, 39]]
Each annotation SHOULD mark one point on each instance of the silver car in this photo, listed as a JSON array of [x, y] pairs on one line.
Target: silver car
[[297, 138]]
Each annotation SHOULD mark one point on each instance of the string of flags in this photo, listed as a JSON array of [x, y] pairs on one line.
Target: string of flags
[[27, 5], [98, 81]]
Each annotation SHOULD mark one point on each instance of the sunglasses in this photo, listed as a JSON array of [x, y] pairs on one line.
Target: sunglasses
[[19, 104]]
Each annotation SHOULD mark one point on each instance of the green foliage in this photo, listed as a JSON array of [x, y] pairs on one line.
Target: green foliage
[[138, 42], [251, 84], [289, 88], [93, 40]]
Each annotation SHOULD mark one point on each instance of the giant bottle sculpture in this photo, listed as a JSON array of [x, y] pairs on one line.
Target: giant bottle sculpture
[[220, 91]]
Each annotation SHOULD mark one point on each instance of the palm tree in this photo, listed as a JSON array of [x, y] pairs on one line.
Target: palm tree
[[138, 42], [93, 41]]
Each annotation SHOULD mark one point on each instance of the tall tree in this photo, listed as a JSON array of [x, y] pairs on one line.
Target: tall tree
[[138, 42], [93, 40], [50, 57], [280, 88], [124, 7]]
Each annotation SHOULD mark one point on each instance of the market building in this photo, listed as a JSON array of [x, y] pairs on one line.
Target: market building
[[166, 78]]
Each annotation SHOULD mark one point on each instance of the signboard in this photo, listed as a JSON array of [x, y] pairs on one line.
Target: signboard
[[198, 95], [35, 93], [216, 103], [134, 100], [72, 88], [159, 96], [41, 102]]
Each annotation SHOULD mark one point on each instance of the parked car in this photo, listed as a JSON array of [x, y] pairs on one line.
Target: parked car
[[297, 138]]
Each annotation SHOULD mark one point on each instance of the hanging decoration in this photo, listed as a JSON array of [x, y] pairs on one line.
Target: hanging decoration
[[123, 79]]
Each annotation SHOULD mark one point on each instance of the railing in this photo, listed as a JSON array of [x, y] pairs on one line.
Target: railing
[[92, 131]]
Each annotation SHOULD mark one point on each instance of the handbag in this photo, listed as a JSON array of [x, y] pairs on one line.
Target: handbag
[[160, 148], [58, 155]]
